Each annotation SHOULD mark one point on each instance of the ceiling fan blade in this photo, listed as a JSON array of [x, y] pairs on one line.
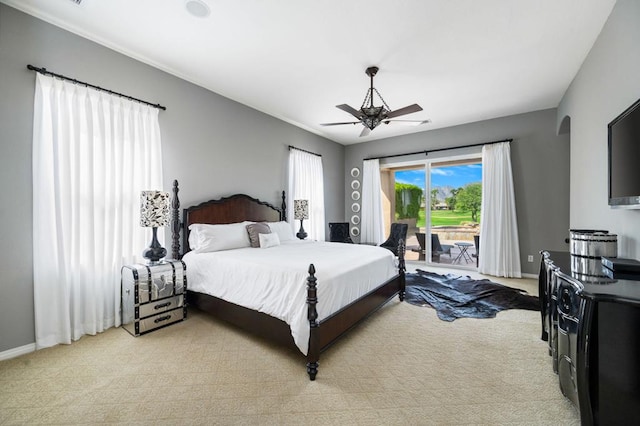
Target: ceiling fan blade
[[365, 132], [403, 111], [351, 110], [412, 122], [338, 124]]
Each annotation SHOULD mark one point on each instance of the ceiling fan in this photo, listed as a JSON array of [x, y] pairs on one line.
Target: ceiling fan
[[371, 116]]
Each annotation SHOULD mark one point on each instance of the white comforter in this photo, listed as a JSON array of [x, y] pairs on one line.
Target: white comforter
[[273, 280]]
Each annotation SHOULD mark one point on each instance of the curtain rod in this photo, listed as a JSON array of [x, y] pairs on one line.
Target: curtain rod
[[426, 152], [304, 150], [45, 71]]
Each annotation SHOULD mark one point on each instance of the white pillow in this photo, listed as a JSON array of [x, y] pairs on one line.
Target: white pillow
[[269, 240], [283, 229], [206, 238]]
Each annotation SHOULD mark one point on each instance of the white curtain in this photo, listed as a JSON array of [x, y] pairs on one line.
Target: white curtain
[[92, 155], [306, 182], [499, 246], [372, 225]]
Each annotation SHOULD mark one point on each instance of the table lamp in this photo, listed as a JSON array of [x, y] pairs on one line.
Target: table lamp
[[301, 212], [154, 213]]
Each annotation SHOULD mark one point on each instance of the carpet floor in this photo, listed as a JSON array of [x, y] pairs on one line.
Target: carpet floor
[[402, 366]]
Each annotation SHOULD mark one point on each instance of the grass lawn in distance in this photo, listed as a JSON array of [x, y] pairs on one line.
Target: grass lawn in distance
[[444, 217]]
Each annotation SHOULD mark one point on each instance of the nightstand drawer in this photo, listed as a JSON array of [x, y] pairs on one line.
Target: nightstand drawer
[[160, 320], [163, 305]]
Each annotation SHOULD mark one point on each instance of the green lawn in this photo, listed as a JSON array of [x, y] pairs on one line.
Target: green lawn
[[444, 217]]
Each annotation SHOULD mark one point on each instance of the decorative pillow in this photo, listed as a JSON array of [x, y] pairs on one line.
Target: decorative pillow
[[269, 240], [283, 229], [206, 238], [254, 229]]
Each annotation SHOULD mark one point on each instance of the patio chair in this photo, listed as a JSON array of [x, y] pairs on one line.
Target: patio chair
[[422, 249], [438, 249], [339, 232], [476, 241], [398, 232]]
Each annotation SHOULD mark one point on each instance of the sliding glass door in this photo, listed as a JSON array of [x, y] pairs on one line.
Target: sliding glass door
[[408, 205], [455, 198], [440, 202]]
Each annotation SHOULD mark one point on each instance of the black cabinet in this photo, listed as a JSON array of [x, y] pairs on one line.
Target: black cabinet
[[617, 401], [593, 329]]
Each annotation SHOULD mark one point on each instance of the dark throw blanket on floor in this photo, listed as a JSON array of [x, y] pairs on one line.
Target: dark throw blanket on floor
[[462, 297]]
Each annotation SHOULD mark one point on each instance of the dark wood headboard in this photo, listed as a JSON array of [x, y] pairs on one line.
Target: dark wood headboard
[[232, 209]]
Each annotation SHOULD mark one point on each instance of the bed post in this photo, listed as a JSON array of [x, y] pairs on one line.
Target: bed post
[[175, 223], [283, 214], [313, 352], [401, 268]]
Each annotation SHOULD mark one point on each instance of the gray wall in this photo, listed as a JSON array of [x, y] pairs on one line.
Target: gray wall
[[212, 145], [539, 159], [606, 85]]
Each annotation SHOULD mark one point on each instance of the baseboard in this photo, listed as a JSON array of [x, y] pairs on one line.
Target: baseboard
[[534, 276], [21, 350]]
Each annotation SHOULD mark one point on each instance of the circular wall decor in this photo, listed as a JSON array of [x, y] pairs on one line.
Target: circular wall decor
[[355, 172], [355, 184], [355, 207], [355, 231], [355, 195], [355, 219]]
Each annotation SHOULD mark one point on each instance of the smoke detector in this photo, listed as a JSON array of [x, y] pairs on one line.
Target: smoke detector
[[77, 1], [197, 8]]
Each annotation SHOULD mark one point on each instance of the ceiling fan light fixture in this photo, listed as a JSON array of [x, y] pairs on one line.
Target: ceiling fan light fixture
[[197, 8], [373, 111], [369, 115]]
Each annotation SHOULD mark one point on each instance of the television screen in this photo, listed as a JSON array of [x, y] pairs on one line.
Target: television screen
[[624, 158]]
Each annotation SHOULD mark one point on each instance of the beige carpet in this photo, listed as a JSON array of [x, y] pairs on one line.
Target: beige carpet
[[402, 366]]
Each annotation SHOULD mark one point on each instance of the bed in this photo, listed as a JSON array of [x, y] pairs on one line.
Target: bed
[[366, 290]]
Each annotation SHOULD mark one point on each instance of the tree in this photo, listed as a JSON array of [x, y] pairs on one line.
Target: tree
[[469, 198], [434, 198], [451, 201]]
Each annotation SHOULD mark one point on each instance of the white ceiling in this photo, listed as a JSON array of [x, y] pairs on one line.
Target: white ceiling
[[461, 60]]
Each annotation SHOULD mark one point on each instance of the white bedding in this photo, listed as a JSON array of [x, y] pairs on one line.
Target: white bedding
[[273, 280]]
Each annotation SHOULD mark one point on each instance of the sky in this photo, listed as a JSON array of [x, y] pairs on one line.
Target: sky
[[453, 176]]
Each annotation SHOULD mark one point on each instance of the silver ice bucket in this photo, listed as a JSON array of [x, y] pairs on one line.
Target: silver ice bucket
[[588, 247]]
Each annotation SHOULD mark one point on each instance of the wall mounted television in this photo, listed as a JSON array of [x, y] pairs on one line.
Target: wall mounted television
[[624, 158]]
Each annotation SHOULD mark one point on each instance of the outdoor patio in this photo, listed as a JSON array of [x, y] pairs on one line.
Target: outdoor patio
[[463, 249]]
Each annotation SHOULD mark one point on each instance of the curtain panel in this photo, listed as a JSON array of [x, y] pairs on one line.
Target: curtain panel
[[92, 155], [499, 245], [372, 225], [306, 182]]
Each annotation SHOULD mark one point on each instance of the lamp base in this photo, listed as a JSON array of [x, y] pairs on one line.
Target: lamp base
[[155, 252], [301, 233]]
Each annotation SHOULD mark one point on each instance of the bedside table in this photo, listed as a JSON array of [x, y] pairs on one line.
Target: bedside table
[[153, 296]]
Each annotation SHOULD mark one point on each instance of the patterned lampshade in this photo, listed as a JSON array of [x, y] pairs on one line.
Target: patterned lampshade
[[300, 209], [154, 209]]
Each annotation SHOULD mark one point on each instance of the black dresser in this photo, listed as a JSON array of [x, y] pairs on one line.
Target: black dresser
[[592, 325]]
